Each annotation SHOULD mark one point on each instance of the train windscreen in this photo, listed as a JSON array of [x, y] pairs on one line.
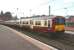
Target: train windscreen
[[60, 20]]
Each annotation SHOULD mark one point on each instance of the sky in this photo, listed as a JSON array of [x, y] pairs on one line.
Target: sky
[[23, 8]]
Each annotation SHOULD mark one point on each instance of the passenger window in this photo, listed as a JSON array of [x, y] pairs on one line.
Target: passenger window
[[20, 22], [48, 23], [25, 22], [17, 22], [31, 22], [37, 23], [45, 23]]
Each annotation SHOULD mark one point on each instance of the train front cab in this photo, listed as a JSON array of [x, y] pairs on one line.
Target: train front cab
[[58, 24]]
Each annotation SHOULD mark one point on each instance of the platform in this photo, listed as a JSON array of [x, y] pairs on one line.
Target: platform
[[13, 40], [69, 32]]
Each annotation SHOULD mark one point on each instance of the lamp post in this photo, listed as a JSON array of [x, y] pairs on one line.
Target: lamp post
[[30, 12], [49, 10], [17, 11], [52, 1], [65, 11]]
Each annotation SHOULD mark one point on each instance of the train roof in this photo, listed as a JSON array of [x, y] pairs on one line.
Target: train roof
[[12, 21], [34, 18], [38, 18]]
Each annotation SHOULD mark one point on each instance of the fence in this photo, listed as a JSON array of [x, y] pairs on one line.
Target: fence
[[69, 26]]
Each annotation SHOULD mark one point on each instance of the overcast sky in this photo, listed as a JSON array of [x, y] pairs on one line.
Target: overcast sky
[[37, 7]]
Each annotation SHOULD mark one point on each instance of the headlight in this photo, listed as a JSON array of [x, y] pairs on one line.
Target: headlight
[[56, 27]]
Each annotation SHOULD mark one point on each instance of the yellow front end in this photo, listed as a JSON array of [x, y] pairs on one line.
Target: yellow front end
[[59, 28]]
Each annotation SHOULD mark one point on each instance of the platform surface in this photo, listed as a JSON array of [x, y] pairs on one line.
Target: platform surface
[[12, 40]]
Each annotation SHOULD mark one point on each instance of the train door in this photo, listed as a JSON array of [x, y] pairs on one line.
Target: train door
[[49, 28], [50, 23]]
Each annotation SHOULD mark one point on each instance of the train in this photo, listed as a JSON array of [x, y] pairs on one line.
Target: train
[[43, 24]]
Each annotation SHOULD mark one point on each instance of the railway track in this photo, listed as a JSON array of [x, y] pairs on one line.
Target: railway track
[[62, 43], [67, 39]]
